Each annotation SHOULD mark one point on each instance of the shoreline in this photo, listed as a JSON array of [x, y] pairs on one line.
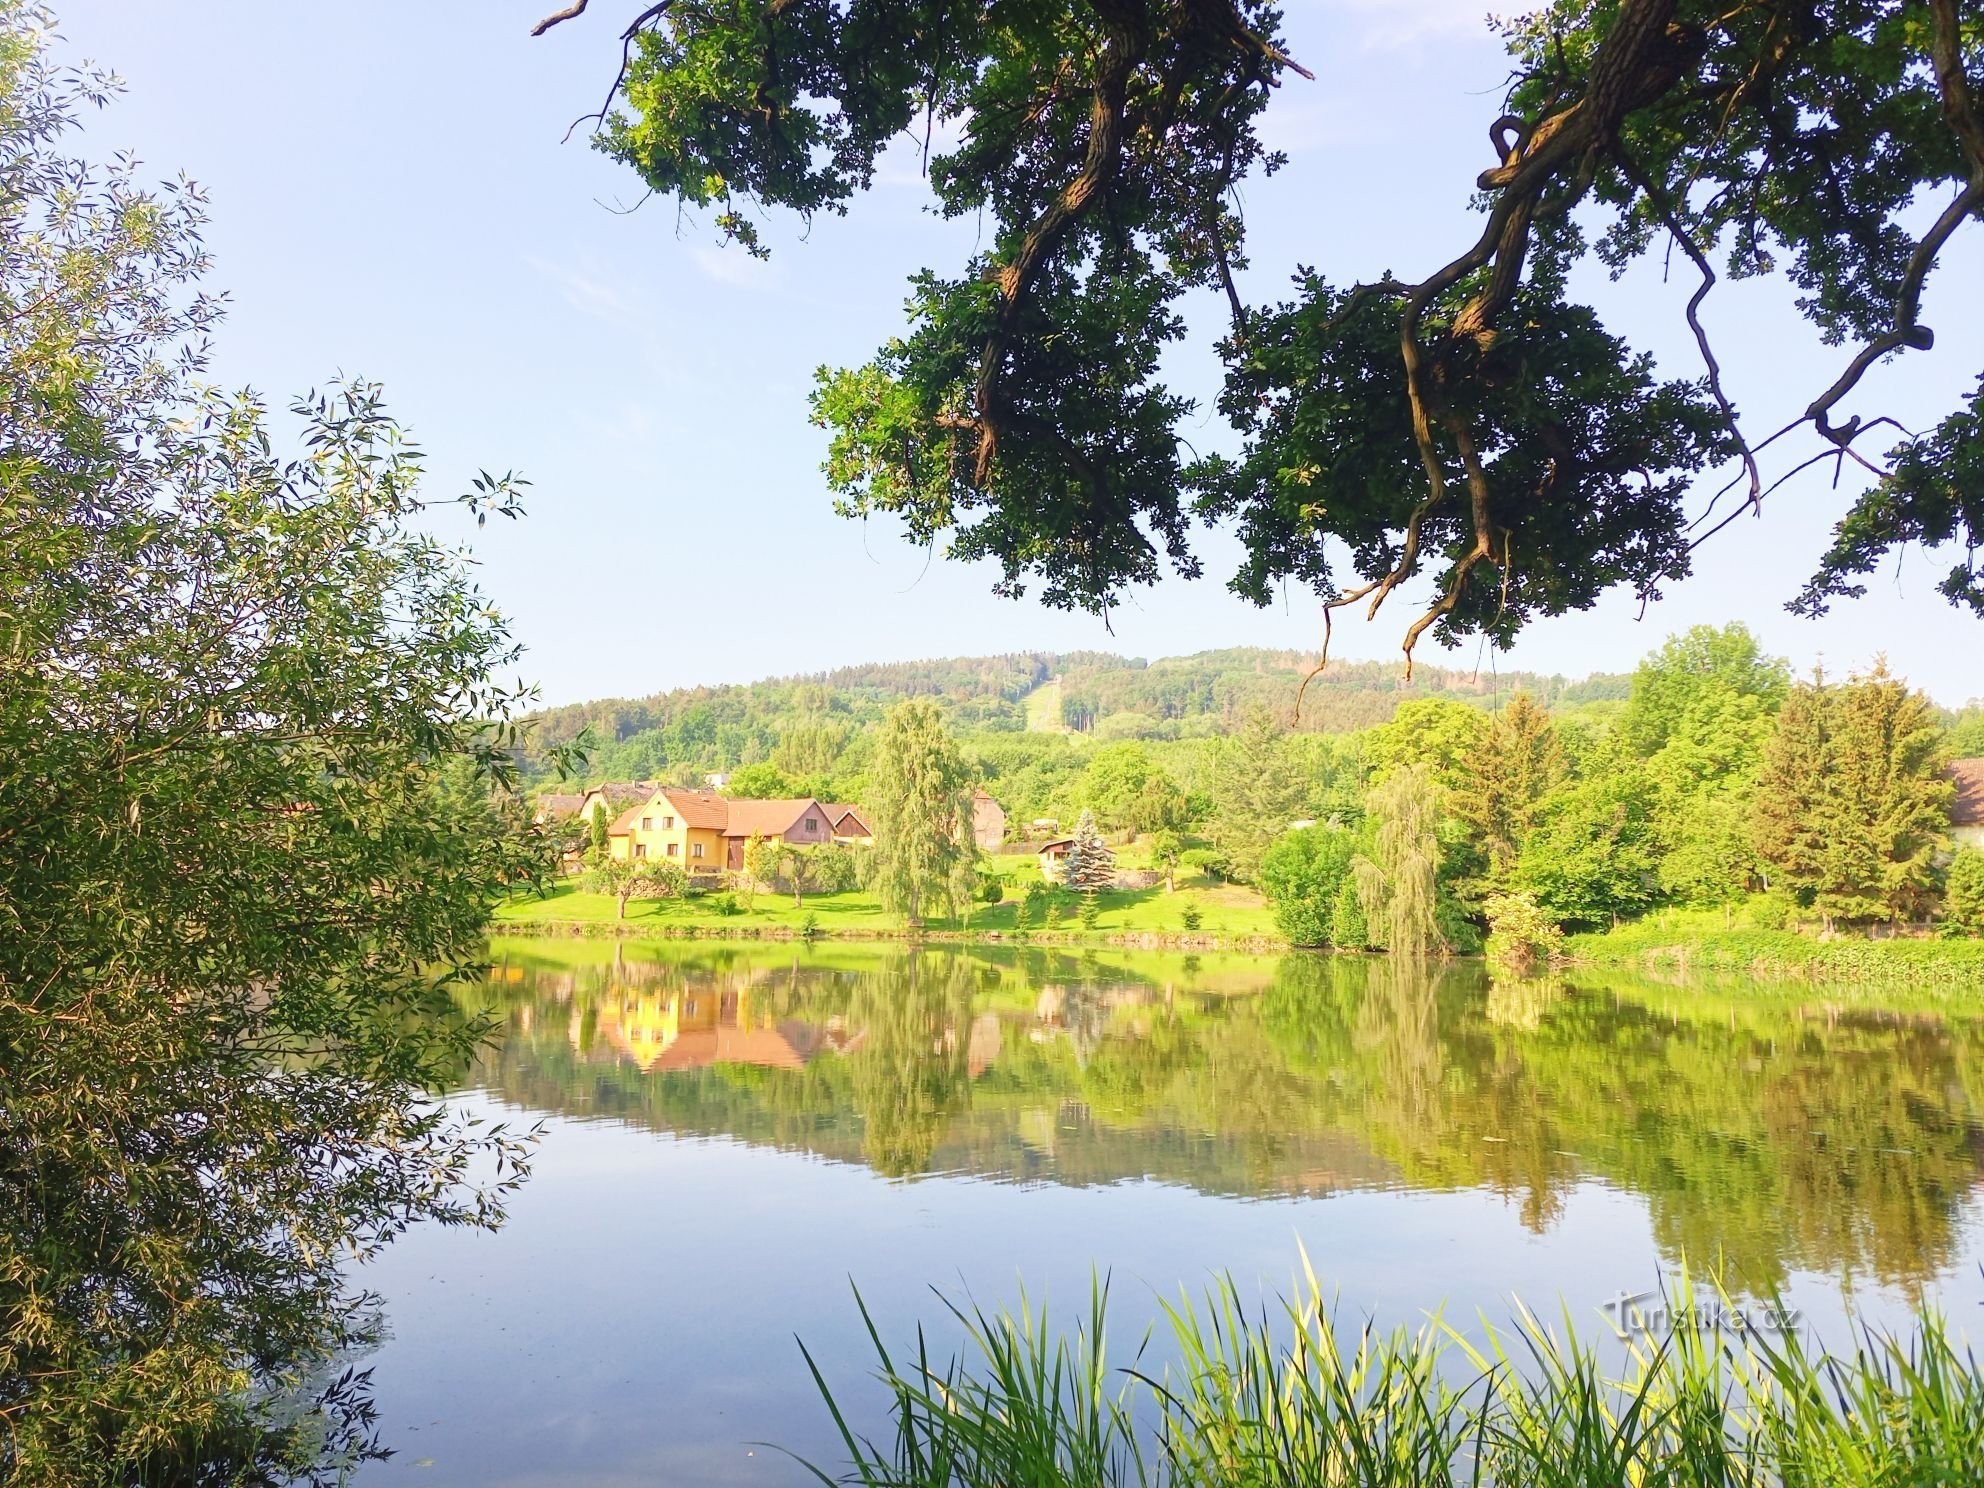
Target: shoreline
[[1132, 940]]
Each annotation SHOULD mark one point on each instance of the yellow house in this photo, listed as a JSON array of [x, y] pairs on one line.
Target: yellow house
[[682, 827]]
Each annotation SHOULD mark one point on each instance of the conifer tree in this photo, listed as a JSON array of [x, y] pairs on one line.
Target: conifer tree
[[1090, 865], [1506, 778], [1852, 803]]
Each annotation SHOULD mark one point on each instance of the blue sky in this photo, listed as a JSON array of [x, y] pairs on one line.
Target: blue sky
[[391, 198]]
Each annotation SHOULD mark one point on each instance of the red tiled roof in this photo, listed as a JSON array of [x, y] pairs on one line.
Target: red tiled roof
[[1967, 810]]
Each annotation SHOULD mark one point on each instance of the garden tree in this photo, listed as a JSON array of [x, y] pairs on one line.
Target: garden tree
[[1595, 856], [235, 893], [1437, 732], [1963, 892], [919, 804], [1257, 790], [1464, 420], [1700, 710], [635, 878], [1089, 865], [1852, 803], [1303, 875], [1397, 879], [760, 868], [1965, 738], [1504, 780], [1161, 806], [597, 830], [1115, 777], [1708, 687], [1166, 849], [762, 781]]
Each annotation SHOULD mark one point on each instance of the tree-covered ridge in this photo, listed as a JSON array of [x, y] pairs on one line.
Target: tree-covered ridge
[[1102, 695]]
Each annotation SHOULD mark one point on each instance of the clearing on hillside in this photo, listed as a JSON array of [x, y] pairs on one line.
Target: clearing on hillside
[[1043, 708]]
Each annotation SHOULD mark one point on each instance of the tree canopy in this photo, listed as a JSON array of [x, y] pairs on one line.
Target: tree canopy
[[1463, 419]]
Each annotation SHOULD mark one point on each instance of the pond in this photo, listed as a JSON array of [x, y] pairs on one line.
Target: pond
[[736, 1137]]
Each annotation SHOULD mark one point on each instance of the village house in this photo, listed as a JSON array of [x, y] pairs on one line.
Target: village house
[[1967, 810], [705, 833]]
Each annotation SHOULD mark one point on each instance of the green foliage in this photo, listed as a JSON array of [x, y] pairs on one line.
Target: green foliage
[[1213, 863], [1463, 421], [1397, 878], [1303, 875], [763, 781], [1257, 791], [248, 844], [991, 888], [1190, 919], [597, 833], [1520, 934], [1167, 851], [1595, 857], [1503, 780], [1852, 803], [636, 878], [920, 808], [1349, 928], [1287, 1394], [1963, 892]]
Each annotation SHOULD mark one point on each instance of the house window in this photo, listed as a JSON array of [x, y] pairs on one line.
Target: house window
[[647, 824], [640, 849], [812, 824], [668, 824], [696, 850], [674, 849]]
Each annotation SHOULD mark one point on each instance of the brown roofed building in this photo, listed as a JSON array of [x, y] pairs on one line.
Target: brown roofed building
[[850, 824], [704, 833], [1967, 810], [557, 806], [988, 821]]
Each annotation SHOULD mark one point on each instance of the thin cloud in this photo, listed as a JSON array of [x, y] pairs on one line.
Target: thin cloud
[[586, 291]]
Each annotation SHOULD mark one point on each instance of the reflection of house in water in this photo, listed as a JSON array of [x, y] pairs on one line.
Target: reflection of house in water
[[695, 1026]]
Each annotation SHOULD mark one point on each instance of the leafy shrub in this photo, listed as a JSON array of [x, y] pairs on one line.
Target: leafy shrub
[[991, 888], [1190, 918], [1520, 934], [726, 903], [1963, 893], [1091, 912], [1211, 862], [1302, 874]]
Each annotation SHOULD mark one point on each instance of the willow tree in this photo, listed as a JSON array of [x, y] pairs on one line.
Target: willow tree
[[1463, 419], [1398, 881], [919, 803], [236, 885]]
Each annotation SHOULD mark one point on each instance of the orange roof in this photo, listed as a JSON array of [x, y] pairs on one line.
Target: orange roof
[[767, 818], [622, 824], [1967, 810], [699, 808]]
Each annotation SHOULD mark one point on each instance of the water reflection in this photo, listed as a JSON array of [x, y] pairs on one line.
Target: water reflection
[[1771, 1130]]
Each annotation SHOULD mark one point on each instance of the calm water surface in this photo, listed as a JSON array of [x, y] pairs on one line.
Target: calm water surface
[[736, 1136]]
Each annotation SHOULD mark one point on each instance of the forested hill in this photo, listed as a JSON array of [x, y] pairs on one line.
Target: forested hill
[[1101, 695]]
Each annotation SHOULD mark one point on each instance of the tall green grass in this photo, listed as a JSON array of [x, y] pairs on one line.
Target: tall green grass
[[1289, 1397]]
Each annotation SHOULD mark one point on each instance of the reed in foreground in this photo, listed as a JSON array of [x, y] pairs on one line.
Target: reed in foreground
[[1290, 1396]]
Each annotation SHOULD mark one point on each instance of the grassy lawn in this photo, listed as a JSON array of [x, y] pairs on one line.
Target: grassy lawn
[[1224, 910]]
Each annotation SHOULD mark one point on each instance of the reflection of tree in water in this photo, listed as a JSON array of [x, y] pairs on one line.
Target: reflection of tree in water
[[912, 1067], [1775, 1136]]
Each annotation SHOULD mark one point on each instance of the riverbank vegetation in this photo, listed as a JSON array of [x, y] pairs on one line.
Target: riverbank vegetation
[[1718, 1390], [248, 726]]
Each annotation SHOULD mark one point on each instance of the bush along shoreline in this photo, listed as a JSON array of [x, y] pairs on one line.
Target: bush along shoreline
[[1710, 1390], [1780, 955]]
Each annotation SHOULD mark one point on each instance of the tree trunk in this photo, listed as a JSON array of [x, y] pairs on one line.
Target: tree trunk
[[623, 905]]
